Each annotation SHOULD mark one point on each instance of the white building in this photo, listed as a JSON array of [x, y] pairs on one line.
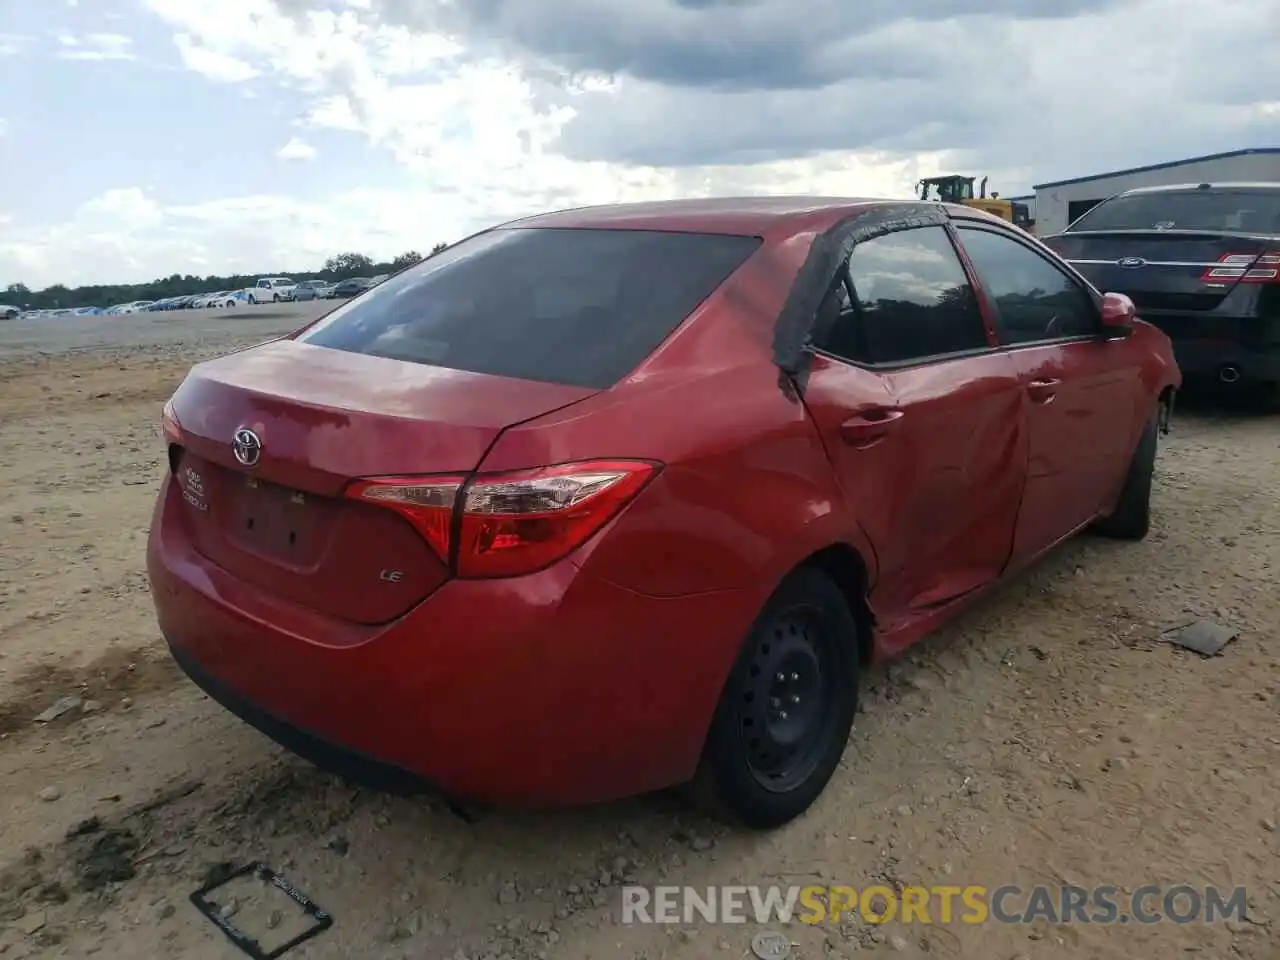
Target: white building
[[1057, 204]]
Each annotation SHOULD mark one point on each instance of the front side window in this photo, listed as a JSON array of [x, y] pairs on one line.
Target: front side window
[[1034, 299], [908, 299]]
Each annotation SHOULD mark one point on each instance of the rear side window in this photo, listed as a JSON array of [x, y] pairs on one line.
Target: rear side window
[[1227, 210], [911, 301], [572, 306]]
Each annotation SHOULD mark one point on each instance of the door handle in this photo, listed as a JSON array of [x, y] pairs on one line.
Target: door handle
[[1043, 391], [869, 427]]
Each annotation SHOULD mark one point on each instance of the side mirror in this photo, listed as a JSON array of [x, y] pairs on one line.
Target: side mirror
[[1118, 314]]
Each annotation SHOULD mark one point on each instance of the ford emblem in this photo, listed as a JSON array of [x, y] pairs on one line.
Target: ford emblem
[[1131, 263]]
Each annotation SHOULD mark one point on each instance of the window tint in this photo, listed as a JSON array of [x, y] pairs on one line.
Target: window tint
[[1246, 210], [1034, 300], [911, 300], [574, 306]]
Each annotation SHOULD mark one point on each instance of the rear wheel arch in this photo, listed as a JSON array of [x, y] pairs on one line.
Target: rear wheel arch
[[847, 569], [838, 546]]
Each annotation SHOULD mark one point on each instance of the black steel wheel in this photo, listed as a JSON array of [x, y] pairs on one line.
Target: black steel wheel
[[787, 707], [789, 699]]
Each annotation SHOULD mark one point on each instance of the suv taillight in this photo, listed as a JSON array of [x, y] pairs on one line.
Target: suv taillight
[[1245, 268], [509, 524]]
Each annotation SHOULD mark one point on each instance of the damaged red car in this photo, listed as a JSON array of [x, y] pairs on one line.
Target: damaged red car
[[621, 498]]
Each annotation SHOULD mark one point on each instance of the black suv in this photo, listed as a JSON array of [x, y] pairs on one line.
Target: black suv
[[1202, 263]]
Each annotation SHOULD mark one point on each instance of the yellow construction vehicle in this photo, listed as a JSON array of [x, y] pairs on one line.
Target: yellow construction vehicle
[[957, 189]]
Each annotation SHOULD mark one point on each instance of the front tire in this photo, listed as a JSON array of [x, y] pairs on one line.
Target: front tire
[[1131, 519], [786, 710]]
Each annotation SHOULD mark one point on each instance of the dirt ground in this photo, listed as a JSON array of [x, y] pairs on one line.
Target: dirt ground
[[1049, 737]]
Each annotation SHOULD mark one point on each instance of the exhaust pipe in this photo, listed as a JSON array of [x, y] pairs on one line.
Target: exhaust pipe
[[1229, 374]]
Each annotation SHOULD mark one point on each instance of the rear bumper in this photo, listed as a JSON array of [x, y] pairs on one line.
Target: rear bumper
[[1208, 352], [1224, 360], [349, 763], [555, 688]]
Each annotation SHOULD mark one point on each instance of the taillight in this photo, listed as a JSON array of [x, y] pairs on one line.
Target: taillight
[[170, 429], [1245, 268], [508, 524]]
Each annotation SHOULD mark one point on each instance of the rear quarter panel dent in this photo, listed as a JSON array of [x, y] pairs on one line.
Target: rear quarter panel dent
[[747, 491]]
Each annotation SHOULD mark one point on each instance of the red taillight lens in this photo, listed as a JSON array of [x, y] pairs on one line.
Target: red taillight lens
[[508, 524], [170, 429], [1245, 268], [427, 502]]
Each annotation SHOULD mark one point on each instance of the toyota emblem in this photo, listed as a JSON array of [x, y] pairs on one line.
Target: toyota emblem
[[246, 446]]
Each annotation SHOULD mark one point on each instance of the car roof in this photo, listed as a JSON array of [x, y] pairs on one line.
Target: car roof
[[1226, 185], [746, 216]]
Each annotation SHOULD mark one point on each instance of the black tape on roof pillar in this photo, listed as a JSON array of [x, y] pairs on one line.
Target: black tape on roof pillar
[[793, 331]]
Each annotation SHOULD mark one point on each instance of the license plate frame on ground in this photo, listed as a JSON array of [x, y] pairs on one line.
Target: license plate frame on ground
[[321, 920]]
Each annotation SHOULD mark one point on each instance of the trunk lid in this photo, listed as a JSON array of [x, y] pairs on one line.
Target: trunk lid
[[1161, 270], [323, 418]]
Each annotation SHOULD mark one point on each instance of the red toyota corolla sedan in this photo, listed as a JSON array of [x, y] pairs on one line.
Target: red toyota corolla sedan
[[620, 498]]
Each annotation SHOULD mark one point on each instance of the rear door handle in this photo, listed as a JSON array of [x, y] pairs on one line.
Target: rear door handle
[[1043, 391], [869, 427]]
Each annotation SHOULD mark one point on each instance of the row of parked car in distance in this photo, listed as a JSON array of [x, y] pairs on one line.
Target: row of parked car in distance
[[266, 290]]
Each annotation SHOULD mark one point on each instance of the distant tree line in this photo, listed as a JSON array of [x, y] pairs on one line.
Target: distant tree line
[[58, 296]]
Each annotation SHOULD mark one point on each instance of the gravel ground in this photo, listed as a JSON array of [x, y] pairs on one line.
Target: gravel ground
[[1048, 737]]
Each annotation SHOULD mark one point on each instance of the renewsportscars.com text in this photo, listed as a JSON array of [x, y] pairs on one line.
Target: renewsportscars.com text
[[972, 904]]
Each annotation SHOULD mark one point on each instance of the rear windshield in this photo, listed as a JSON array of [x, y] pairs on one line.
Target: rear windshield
[[1242, 211], [571, 306]]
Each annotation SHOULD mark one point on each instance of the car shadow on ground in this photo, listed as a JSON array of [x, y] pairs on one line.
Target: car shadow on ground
[[1214, 402]]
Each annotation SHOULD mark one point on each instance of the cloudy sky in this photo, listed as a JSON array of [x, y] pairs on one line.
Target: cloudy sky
[[145, 137]]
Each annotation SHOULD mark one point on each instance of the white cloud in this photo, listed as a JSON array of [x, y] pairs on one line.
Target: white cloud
[[96, 46], [297, 149], [13, 44], [502, 109], [212, 64], [125, 235], [472, 127]]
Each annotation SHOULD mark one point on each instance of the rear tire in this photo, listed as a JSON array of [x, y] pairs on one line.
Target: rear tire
[[1131, 519], [786, 710]]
